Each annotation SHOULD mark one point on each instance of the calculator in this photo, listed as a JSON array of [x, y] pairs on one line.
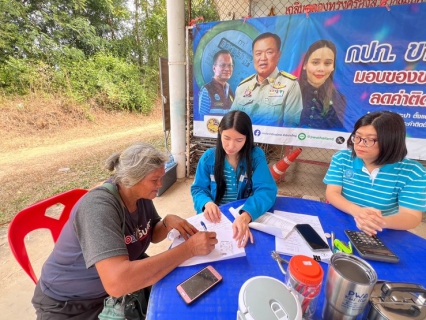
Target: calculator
[[370, 247]]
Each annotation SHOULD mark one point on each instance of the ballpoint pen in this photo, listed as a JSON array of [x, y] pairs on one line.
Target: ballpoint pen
[[204, 225], [332, 242]]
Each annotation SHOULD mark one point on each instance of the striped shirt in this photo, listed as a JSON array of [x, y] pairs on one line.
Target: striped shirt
[[392, 185], [231, 192], [204, 102]]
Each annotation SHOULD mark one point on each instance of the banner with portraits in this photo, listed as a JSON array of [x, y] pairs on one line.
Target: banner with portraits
[[306, 79]]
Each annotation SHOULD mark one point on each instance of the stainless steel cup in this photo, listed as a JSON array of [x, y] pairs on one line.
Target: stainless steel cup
[[349, 283]]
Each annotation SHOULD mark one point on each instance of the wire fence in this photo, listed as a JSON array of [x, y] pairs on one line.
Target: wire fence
[[304, 176]]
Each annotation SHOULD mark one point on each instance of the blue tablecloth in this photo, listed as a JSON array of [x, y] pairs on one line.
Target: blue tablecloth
[[221, 302]]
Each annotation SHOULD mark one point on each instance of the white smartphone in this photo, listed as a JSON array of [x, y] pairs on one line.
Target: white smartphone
[[312, 238], [199, 283]]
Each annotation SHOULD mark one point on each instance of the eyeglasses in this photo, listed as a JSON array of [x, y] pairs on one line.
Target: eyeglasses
[[225, 65], [368, 142]]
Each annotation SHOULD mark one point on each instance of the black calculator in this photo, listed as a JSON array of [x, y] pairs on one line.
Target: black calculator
[[370, 247]]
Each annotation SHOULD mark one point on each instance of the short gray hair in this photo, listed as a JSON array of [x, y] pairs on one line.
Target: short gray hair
[[135, 163]]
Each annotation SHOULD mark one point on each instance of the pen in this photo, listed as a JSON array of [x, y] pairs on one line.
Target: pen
[[332, 242], [204, 225]]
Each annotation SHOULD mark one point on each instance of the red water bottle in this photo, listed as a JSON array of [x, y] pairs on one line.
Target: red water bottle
[[304, 276]]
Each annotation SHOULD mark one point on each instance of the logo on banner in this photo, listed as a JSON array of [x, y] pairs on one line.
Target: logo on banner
[[213, 125], [340, 140], [301, 136], [257, 133]]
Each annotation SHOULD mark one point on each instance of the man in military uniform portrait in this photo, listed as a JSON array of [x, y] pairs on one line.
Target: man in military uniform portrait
[[270, 97], [216, 97]]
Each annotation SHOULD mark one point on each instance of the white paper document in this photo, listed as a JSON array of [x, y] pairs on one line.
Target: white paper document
[[269, 223], [294, 244], [226, 248]]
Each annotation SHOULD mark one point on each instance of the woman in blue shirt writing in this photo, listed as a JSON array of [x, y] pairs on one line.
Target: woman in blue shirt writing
[[235, 169]]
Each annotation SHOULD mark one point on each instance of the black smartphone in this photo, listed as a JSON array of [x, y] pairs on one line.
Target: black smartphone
[[199, 283], [312, 238]]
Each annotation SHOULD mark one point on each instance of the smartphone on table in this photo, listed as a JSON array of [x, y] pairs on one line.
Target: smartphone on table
[[199, 283], [312, 238]]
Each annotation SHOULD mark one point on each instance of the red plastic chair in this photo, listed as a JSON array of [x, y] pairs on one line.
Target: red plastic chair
[[34, 217]]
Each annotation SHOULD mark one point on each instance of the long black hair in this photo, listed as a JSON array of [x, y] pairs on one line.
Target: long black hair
[[241, 122], [325, 91]]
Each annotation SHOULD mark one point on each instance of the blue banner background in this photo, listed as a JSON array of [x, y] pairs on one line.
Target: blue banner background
[[398, 27]]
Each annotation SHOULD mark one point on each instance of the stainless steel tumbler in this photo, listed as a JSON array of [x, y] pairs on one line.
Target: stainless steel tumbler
[[349, 283]]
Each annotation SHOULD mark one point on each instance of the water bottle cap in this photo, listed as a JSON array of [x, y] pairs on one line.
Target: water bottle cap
[[306, 270]]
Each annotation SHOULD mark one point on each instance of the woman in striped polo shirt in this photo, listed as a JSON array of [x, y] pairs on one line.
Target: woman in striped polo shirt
[[373, 181]]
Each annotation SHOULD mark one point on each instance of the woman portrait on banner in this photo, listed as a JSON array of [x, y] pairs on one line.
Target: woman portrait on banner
[[373, 181], [323, 105], [101, 249], [235, 169]]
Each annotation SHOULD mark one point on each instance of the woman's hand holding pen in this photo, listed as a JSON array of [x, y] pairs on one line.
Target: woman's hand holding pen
[[212, 212], [202, 243], [241, 230]]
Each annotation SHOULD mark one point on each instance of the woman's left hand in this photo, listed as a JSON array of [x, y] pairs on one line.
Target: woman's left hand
[[184, 227], [370, 220], [241, 230]]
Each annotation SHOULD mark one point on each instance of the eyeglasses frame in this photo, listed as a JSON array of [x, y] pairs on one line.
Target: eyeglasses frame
[[364, 141]]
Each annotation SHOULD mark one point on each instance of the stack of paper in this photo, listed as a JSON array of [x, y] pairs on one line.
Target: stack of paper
[[287, 240], [269, 223], [294, 244], [226, 248]]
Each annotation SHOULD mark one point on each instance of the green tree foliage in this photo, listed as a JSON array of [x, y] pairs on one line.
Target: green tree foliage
[[102, 79], [91, 50], [154, 32], [16, 35], [110, 82], [204, 8]]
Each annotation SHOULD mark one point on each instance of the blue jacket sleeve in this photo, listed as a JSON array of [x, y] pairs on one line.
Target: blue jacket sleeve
[[204, 103], [202, 190], [264, 187]]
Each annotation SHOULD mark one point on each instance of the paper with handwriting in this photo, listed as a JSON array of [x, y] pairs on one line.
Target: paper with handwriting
[[226, 248]]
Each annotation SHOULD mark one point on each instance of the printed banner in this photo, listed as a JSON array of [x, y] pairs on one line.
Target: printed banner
[[305, 79]]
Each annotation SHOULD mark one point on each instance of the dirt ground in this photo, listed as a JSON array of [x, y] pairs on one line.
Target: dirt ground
[[39, 139], [50, 144]]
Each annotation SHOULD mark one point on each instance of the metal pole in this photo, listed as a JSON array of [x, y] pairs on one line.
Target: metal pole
[[176, 50], [188, 106]]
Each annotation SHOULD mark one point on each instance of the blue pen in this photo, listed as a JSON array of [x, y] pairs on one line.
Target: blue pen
[[204, 225]]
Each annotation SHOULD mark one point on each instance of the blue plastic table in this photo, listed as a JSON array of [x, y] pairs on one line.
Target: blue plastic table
[[221, 302]]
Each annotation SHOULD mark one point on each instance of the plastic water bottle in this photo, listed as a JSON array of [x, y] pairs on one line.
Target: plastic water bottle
[[170, 163]]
